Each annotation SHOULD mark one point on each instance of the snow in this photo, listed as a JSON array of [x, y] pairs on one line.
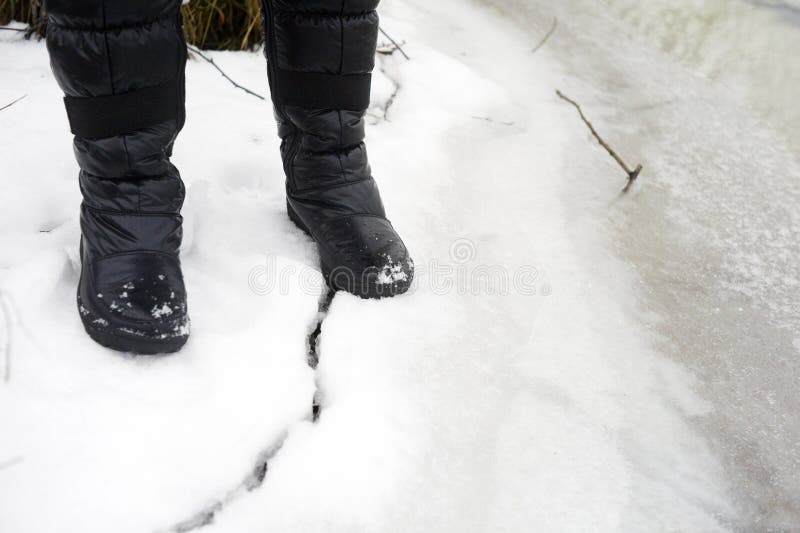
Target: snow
[[391, 273], [106, 441], [539, 376], [163, 310]]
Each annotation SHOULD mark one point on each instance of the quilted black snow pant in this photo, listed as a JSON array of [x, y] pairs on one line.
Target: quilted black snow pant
[[320, 54], [121, 63]]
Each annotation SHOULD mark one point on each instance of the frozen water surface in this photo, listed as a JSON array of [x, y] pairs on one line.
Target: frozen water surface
[[570, 358], [702, 94]]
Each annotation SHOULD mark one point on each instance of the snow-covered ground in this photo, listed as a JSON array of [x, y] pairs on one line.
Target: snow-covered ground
[[570, 359]]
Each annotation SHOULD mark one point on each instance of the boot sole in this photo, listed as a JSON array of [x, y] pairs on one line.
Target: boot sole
[[369, 291]]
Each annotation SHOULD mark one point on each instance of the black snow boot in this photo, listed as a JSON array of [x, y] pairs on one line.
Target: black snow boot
[[120, 64], [320, 54]]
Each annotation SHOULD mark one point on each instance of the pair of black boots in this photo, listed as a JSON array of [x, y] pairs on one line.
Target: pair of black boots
[[121, 66]]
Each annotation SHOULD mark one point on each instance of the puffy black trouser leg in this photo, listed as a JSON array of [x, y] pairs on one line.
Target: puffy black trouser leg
[[320, 54], [120, 64]]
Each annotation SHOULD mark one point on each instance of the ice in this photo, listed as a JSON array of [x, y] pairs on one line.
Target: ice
[[568, 358]]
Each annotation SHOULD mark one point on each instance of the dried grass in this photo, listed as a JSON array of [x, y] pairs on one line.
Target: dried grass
[[208, 24], [223, 24]]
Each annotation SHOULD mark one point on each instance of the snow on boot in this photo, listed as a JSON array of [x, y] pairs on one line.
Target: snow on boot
[[320, 54], [121, 64]]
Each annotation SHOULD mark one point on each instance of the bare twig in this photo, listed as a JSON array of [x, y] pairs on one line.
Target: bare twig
[[37, 27], [15, 321], [4, 307], [395, 44], [13, 102], [547, 36], [490, 119], [388, 49], [213, 64], [383, 110], [392, 97], [390, 102], [11, 462], [632, 174]]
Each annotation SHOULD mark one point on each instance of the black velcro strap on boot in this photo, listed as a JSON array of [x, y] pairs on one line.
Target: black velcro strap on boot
[[99, 117], [314, 90]]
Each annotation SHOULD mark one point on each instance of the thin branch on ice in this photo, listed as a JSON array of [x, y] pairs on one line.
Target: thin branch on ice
[[632, 174], [395, 43], [11, 462], [547, 36], [13, 102], [4, 307], [210, 60]]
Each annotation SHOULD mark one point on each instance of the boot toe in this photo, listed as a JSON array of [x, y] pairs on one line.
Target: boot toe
[[365, 256], [136, 304]]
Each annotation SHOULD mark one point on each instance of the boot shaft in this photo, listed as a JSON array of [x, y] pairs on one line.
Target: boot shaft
[[320, 55], [121, 67], [113, 56]]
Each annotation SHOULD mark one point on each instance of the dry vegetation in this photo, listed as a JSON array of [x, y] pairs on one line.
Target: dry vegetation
[[209, 24], [223, 24]]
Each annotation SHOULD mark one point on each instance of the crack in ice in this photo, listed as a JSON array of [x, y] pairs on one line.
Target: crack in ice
[[251, 482], [381, 111], [314, 351], [258, 473]]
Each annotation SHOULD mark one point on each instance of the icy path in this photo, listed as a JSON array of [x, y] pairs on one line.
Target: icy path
[[461, 407], [701, 93], [472, 412]]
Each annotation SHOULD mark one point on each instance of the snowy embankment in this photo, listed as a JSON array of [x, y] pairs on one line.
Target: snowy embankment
[[512, 390]]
